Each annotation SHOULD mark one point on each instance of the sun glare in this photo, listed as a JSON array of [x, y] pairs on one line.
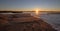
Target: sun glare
[[37, 11]]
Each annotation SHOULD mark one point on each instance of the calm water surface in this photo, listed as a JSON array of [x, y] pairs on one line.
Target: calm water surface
[[53, 19]]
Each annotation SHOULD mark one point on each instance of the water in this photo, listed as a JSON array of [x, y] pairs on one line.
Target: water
[[53, 19]]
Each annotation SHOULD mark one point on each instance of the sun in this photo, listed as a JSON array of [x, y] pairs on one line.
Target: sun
[[37, 11]]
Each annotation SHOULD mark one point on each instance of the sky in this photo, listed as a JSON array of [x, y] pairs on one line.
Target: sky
[[29, 4]]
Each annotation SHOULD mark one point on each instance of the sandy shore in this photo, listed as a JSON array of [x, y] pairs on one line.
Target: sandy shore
[[24, 23]]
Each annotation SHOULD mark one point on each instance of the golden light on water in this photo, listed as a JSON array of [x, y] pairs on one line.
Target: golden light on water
[[37, 11]]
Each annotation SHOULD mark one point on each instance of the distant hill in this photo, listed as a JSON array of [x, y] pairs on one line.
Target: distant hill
[[29, 11]]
